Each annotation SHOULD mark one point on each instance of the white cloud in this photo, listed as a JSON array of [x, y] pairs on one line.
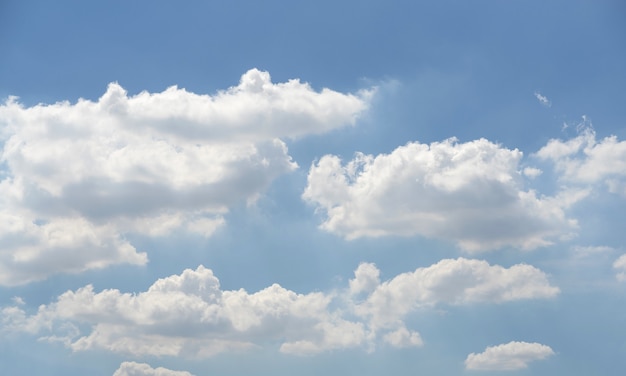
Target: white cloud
[[620, 265], [189, 315], [583, 159], [471, 193], [30, 251], [508, 357], [543, 99], [403, 338], [452, 281], [143, 369], [366, 279], [589, 251], [532, 172], [148, 164]]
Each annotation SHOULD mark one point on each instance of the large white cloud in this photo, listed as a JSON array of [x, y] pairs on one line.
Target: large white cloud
[[149, 164], [583, 159], [508, 357], [471, 193], [143, 369], [189, 315]]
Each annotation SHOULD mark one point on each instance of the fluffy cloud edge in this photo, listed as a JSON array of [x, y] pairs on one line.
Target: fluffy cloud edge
[[144, 369], [508, 357], [469, 193], [189, 314], [75, 178], [585, 160]]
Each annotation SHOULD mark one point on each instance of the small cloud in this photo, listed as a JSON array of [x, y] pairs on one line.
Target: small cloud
[[403, 338], [543, 99], [18, 300], [532, 172], [620, 265], [508, 357], [584, 251], [143, 369]]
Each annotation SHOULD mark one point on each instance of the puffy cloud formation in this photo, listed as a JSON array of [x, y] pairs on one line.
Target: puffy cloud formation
[[143, 369], [75, 177], [190, 315], [471, 193], [458, 281], [508, 357], [584, 159], [620, 266]]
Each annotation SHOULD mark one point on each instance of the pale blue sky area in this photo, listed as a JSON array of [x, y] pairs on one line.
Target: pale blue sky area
[[510, 235]]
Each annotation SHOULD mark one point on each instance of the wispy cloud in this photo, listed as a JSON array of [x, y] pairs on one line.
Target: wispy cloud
[[543, 99]]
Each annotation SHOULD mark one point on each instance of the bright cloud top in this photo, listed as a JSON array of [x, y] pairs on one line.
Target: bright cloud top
[[143, 369], [471, 193], [508, 357], [76, 177], [585, 160], [189, 315]]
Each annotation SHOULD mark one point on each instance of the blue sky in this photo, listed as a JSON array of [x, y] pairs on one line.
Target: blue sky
[[365, 187]]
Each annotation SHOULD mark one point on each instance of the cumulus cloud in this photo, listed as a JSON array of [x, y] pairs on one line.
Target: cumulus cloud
[[620, 266], [152, 163], [585, 160], [508, 357], [143, 369], [451, 281], [190, 315], [471, 193]]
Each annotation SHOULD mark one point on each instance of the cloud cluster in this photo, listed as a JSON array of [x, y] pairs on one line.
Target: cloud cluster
[[190, 315], [471, 193], [508, 357], [143, 369], [450, 281], [75, 177], [585, 160]]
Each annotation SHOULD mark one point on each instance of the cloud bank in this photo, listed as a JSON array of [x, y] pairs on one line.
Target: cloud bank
[[471, 193], [190, 315], [508, 357], [76, 177]]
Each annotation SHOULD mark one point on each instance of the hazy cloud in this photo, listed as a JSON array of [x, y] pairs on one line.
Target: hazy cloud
[[620, 266]]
